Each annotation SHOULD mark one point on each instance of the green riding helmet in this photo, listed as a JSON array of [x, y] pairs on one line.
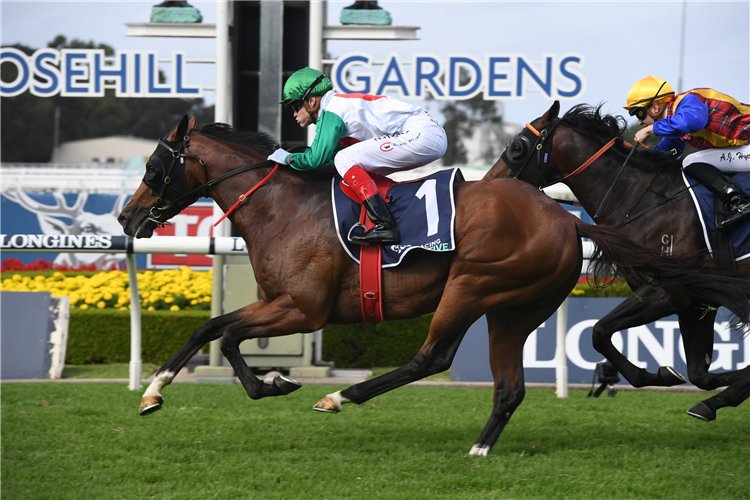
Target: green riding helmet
[[305, 83]]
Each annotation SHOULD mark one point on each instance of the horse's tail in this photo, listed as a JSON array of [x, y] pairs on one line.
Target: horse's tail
[[616, 254]]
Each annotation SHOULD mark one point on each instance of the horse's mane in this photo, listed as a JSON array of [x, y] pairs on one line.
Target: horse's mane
[[257, 141], [590, 122]]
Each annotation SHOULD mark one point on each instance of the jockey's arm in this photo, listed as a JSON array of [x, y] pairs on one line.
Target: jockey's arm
[[329, 129], [691, 115]]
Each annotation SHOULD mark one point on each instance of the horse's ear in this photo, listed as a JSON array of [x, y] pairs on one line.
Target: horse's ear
[[179, 131], [192, 122], [552, 112]]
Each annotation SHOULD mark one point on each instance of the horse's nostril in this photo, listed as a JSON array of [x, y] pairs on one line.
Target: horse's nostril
[[122, 220]]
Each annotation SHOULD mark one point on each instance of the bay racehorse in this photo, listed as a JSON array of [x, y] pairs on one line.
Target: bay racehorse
[[651, 205], [517, 256]]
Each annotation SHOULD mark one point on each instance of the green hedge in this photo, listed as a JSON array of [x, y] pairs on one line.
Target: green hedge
[[616, 289], [103, 335], [394, 343]]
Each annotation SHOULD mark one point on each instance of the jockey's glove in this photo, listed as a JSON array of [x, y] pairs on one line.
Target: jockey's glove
[[280, 156]]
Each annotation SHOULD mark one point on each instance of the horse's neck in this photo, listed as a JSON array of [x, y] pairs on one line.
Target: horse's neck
[[635, 190], [284, 196]]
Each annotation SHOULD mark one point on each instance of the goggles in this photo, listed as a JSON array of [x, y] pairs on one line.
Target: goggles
[[640, 113], [296, 105]]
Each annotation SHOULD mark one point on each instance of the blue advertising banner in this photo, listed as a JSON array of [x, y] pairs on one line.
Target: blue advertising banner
[[648, 346], [59, 215]]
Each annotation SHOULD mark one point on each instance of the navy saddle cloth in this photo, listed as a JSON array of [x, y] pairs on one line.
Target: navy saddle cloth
[[424, 211], [704, 204]]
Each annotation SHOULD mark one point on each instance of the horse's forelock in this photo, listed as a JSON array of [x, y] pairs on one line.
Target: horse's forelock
[[257, 141]]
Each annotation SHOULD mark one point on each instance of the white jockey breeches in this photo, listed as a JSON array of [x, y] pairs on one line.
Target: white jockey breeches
[[732, 160], [422, 142]]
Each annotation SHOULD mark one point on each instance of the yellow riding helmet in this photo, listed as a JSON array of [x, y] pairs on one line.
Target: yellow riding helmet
[[648, 91]]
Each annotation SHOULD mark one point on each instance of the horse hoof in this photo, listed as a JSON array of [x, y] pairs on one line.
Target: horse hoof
[[671, 377], [286, 385], [702, 412], [479, 450], [327, 405], [150, 404]]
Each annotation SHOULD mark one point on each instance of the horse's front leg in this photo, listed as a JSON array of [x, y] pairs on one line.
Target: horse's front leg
[[277, 318], [647, 304], [208, 331]]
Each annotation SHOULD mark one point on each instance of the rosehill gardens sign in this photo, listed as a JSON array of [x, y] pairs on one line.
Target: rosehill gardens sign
[[130, 73]]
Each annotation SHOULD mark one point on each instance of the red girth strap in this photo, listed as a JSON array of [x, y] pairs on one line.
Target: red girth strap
[[370, 260]]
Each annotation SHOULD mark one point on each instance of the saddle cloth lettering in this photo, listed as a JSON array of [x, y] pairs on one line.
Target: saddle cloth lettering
[[424, 211], [704, 205]]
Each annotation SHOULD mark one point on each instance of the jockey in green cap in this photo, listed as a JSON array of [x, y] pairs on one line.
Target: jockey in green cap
[[360, 133]]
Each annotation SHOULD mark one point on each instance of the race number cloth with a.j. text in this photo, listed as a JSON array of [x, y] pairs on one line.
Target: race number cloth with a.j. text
[[424, 211]]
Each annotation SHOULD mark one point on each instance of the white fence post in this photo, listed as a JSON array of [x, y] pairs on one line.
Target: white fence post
[[135, 326], [561, 370]]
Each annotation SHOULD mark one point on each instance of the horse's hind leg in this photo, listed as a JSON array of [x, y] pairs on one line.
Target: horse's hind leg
[[506, 362], [697, 330], [733, 395], [698, 338], [508, 330], [452, 319], [208, 331]]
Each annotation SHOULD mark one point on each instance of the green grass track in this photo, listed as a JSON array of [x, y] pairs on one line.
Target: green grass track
[[86, 441]]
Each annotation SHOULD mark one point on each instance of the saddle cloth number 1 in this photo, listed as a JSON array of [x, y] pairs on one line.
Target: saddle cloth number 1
[[427, 192]]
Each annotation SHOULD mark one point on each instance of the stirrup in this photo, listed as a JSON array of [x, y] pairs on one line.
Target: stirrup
[[354, 242], [734, 219]]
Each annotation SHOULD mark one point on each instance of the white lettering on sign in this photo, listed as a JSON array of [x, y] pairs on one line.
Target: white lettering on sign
[[641, 341], [63, 242], [497, 76], [88, 73]]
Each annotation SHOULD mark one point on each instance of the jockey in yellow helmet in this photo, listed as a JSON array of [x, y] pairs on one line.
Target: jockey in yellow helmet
[[360, 133], [713, 122]]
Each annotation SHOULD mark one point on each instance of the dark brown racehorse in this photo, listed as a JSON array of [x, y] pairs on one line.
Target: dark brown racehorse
[[518, 255], [651, 205]]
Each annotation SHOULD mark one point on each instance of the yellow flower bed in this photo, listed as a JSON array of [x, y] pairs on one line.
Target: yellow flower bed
[[173, 289]]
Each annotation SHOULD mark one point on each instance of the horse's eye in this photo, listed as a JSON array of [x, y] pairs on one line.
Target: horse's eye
[[154, 169], [516, 149]]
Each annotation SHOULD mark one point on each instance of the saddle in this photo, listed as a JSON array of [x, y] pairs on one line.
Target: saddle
[[725, 248], [424, 211]]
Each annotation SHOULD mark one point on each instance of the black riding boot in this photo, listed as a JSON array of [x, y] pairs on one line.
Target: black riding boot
[[384, 231], [734, 198]]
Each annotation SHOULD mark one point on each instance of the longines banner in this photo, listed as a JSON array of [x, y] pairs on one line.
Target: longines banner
[[89, 222], [88, 73], [647, 346]]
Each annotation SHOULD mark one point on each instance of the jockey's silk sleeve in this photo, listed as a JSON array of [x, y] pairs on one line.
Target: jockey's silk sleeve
[[691, 115], [329, 129]]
